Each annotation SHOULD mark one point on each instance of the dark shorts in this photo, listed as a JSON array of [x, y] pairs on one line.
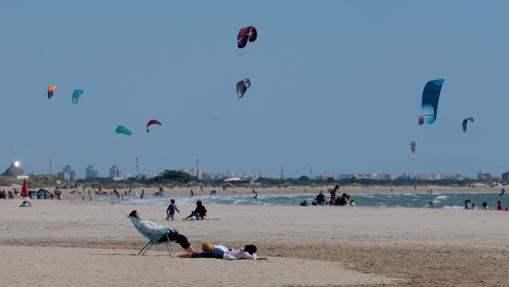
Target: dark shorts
[[214, 253], [177, 237]]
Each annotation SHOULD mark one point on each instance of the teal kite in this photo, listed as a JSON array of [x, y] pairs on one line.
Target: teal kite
[[76, 95], [123, 130], [429, 105]]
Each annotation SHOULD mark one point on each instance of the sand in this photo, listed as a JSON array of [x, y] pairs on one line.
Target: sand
[[75, 243]]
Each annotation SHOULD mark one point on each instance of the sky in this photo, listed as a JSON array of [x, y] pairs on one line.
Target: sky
[[336, 85]]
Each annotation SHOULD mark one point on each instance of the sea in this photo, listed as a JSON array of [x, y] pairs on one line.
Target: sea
[[379, 200]]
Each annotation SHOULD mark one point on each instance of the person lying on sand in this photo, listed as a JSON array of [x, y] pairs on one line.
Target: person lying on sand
[[217, 251], [156, 228]]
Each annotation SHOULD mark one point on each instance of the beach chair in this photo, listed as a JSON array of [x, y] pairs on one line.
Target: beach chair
[[153, 239]]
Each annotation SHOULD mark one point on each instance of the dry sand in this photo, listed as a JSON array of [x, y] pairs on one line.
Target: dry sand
[[74, 243]]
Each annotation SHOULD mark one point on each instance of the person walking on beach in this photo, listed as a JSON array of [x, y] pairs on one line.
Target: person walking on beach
[[156, 228], [333, 193], [170, 211]]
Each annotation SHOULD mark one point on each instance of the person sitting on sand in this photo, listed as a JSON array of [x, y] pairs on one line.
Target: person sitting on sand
[[500, 206], [342, 201], [199, 213], [156, 228], [320, 198], [25, 203]]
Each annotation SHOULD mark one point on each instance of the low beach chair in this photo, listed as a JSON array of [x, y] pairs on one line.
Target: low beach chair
[[153, 239]]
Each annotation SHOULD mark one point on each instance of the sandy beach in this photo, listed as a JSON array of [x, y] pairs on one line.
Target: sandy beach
[[75, 243]]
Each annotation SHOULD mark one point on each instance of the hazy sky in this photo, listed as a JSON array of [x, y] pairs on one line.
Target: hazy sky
[[335, 84]]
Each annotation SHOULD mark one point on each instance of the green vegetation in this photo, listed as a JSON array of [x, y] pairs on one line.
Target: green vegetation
[[167, 177]]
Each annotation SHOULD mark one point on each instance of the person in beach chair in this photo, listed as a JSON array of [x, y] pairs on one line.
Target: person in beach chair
[[158, 234], [199, 213]]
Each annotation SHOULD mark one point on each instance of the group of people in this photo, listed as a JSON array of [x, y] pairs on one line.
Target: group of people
[[470, 205], [209, 250], [343, 199], [8, 195], [199, 213]]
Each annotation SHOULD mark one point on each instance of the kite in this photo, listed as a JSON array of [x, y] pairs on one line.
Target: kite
[[152, 122], [242, 87], [412, 146], [464, 123], [430, 97], [123, 130], [76, 95], [246, 34], [51, 91]]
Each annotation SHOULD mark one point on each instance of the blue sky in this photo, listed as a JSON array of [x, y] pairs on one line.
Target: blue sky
[[335, 84]]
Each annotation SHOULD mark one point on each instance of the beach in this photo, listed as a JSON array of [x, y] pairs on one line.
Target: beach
[[90, 243]]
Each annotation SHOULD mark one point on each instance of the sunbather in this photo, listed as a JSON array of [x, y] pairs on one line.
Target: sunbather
[[222, 252], [156, 228]]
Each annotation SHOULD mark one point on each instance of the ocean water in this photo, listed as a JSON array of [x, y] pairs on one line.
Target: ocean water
[[415, 200]]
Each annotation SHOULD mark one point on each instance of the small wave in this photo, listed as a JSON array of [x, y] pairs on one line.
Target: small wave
[[453, 207]]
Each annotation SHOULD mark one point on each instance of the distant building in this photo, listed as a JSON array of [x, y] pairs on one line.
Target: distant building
[[90, 172], [67, 174], [486, 176], [14, 170], [115, 172]]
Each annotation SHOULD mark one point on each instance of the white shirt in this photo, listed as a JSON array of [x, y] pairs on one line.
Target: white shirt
[[238, 254], [222, 248], [152, 227]]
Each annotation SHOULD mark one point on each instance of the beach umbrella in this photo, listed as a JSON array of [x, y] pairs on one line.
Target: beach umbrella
[[24, 189]]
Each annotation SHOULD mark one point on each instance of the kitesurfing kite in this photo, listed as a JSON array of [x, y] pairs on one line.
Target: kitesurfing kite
[[242, 87], [429, 104], [152, 122], [51, 91], [76, 95], [465, 122], [413, 144], [123, 130], [246, 34]]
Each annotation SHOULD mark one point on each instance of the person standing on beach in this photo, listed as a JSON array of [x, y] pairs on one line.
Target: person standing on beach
[[170, 211], [333, 193], [142, 194], [500, 206]]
